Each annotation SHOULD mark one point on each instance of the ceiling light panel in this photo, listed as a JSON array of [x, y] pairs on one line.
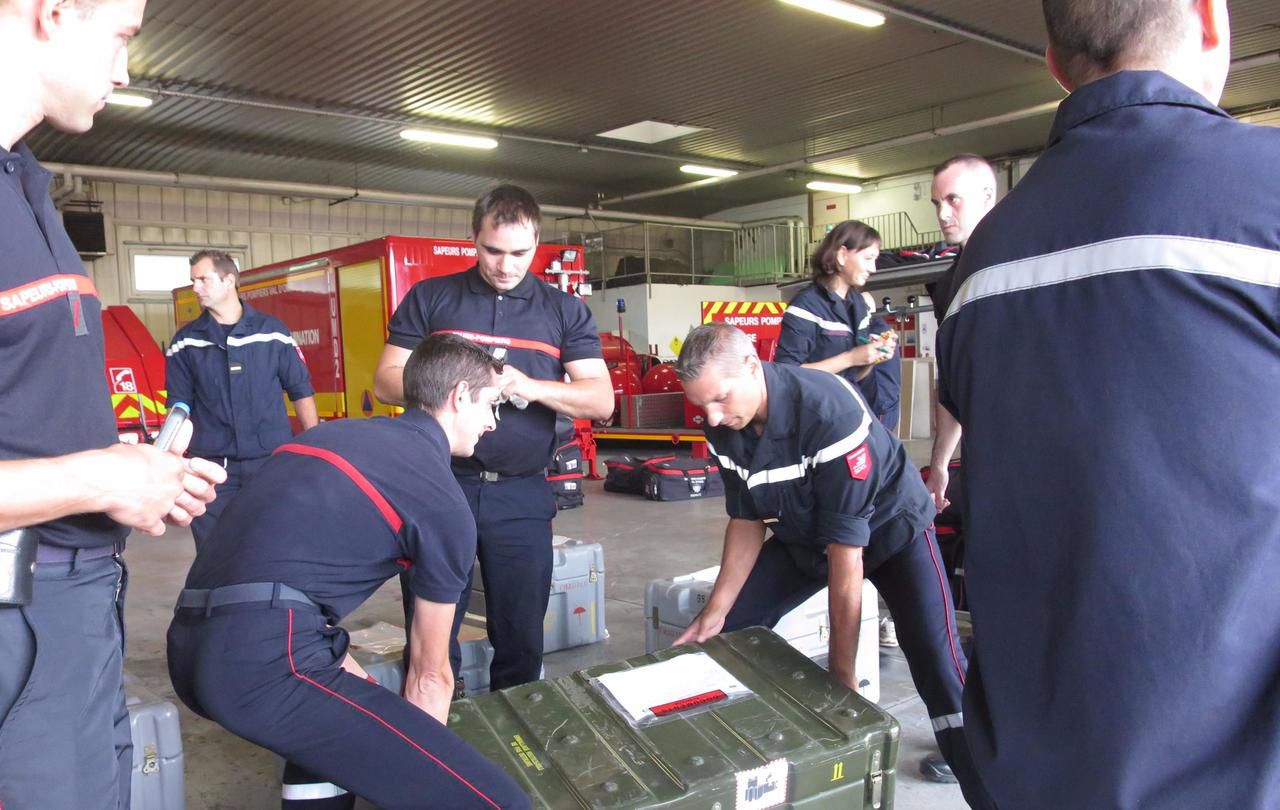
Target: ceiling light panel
[[838, 188], [841, 11], [448, 138], [130, 100], [707, 171], [649, 132]]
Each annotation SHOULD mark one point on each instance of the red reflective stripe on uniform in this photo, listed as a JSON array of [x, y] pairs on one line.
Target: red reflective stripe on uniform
[[355, 475], [499, 340], [42, 291], [946, 593], [363, 710]]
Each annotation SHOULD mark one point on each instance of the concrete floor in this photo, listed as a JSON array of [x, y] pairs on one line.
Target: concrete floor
[[642, 541]]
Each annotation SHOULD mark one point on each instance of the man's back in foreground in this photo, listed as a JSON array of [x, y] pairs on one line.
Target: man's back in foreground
[[1113, 353]]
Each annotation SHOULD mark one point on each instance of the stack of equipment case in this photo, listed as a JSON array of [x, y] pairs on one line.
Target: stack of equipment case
[[157, 779], [672, 603], [575, 611], [565, 475], [799, 739]]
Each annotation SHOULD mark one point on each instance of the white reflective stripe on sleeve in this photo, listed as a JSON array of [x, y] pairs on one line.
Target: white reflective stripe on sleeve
[[261, 337], [312, 791], [947, 721], [831, 452], [806, 315], [1180, 254], [195, 343], [726, 463]]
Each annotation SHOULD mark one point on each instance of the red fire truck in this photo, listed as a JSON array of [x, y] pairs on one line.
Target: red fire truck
[[135, 374]]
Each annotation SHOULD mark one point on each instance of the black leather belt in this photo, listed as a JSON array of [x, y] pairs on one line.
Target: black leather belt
[[207, 599]]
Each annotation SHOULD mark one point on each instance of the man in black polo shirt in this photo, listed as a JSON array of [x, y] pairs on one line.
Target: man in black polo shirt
[[802, 456], [543, 335], [64, 731], [328, 519]]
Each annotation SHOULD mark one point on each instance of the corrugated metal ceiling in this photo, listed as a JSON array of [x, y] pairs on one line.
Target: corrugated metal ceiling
[[771, 84]]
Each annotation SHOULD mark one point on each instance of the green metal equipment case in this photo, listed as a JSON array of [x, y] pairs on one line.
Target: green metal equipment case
[[571, 749]]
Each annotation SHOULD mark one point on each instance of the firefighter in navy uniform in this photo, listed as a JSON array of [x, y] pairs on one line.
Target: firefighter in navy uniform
[[231, 366], [68, 486], [328, 519], [802, 456], [543, 335], [828, 325], [1122, 485]]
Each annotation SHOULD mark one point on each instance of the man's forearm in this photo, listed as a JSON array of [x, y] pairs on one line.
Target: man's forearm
[[844, 594], [388, 384], [429, 690], [743, 540], [35, 491], [587, 398], [947, 440], [305, 407]]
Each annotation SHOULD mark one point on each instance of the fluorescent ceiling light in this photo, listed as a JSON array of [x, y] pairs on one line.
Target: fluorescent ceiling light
[[839, 188], [649, 132], [841, 11], [130, 100], [448, 138], [707, 171]]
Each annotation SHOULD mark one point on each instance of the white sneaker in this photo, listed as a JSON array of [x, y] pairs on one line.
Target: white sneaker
[[888, 633]]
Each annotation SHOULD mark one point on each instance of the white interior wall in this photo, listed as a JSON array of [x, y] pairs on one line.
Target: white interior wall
[[268, 228], [660, 313], [796, 206]]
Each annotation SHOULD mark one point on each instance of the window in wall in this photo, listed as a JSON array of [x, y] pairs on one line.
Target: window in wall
[[158, 270]]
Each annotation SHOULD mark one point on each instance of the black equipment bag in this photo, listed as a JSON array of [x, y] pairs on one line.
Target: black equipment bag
[[681, 479], [565, 475], [626, 473], [567, 459]]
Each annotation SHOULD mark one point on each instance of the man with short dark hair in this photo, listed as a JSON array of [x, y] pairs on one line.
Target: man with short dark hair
[[254, 644], [804, 459], [1122, 495], [232, 366], [542, 335], [64, 730]]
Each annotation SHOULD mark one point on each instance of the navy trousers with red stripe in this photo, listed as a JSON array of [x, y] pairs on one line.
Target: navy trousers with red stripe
[[914, 586], [272, 676]]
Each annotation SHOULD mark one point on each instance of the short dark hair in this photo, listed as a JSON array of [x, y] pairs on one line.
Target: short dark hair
[[223, 264], [715, 343], [850, 234], [439, 363], [965, 158], [1094, 38], [508, 205]]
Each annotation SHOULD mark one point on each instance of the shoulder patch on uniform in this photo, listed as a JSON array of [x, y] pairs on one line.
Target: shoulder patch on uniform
[[859, 462]]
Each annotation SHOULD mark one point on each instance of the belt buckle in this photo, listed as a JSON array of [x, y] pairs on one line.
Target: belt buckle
[[491, 477]]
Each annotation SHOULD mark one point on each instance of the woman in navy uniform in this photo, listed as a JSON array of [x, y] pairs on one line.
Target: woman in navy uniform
[[802, 457], [330, 517], [829, 326]]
